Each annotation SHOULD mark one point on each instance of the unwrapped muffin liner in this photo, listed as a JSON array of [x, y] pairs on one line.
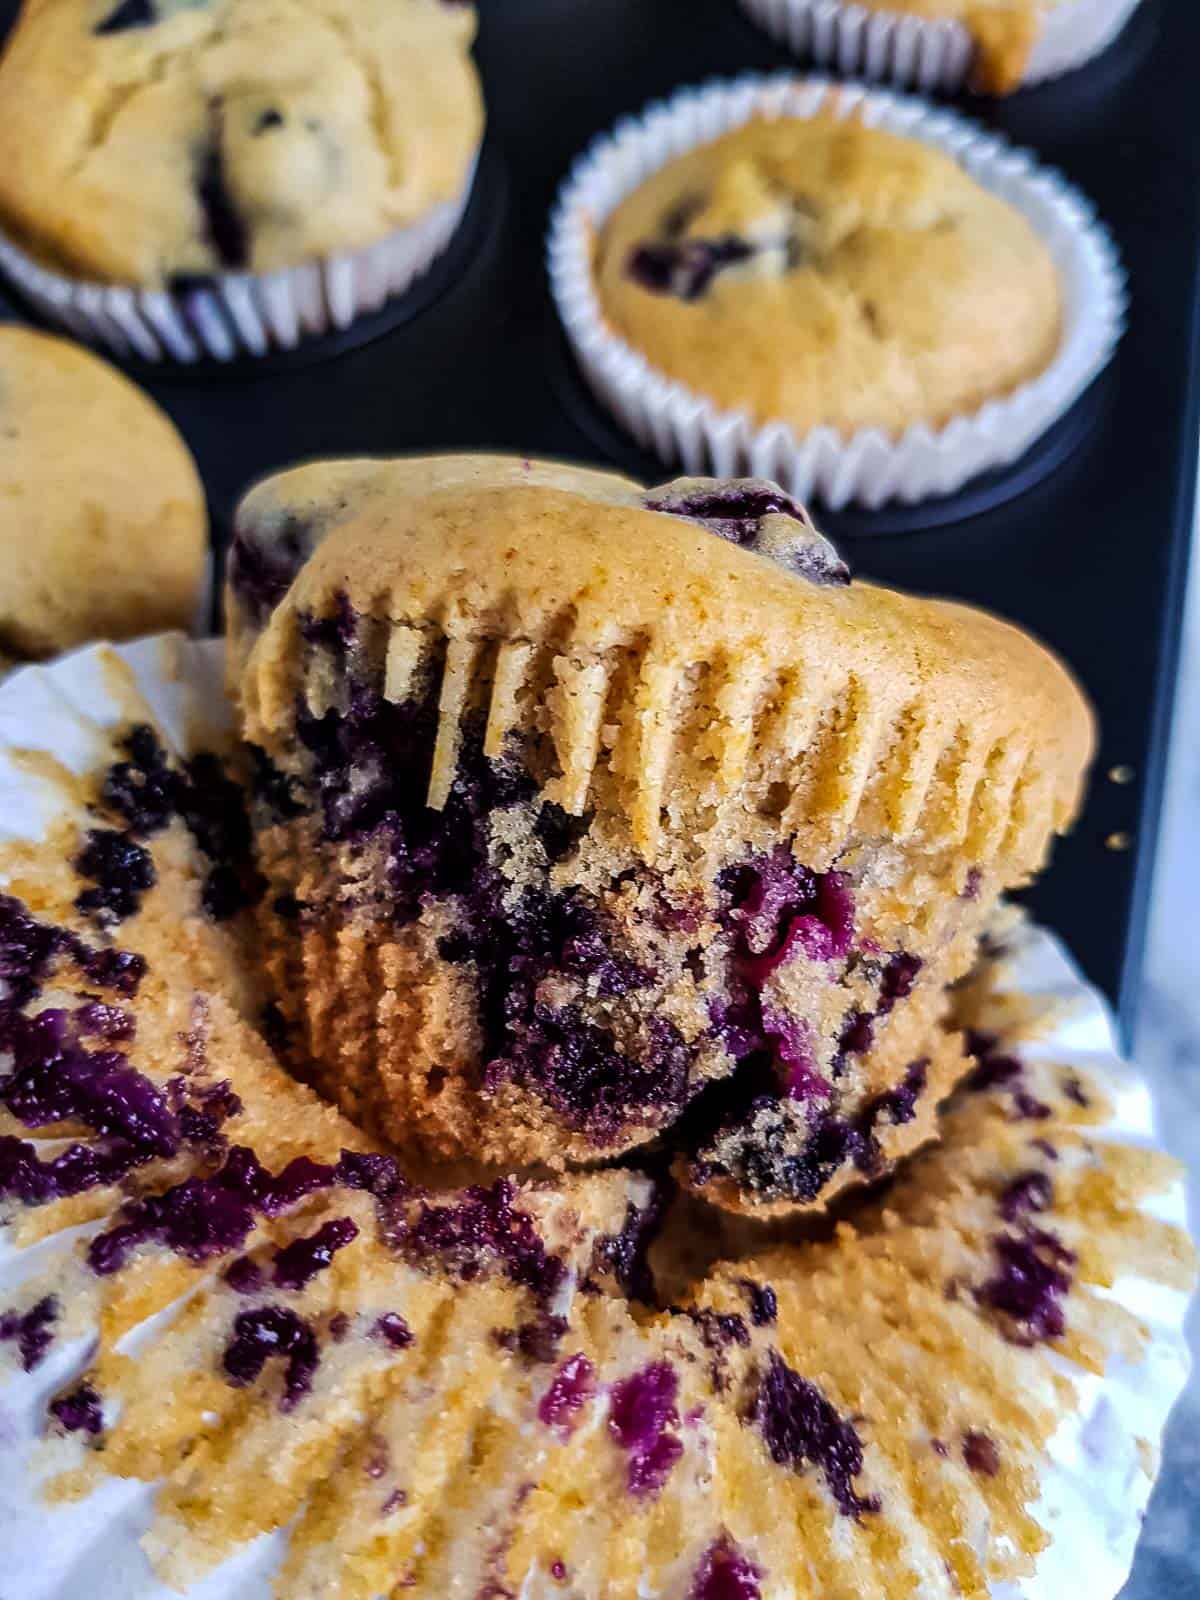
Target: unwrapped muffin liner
[[869, 466], [930, 53], [237, 314], [1098, 1475]]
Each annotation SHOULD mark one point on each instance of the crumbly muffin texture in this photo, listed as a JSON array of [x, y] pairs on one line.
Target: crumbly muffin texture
[[594, 816], [103, 526], [193, 137], [438, 1391], [815, 271]]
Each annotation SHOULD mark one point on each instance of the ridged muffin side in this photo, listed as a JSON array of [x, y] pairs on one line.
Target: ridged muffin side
[[584, 824]]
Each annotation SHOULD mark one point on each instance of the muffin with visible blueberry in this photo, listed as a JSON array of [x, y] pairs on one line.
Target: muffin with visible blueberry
[[199, 138], [819, 272], [103, 526], [594, 816]]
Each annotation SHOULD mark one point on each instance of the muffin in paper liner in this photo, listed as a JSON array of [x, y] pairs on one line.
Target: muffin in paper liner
[[595, 815], [237, 313], [258, 1358], [225, 181], [994, 50], [869, 466]]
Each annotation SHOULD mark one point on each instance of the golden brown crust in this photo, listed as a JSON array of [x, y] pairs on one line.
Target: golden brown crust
[[105, 531], [925, 721], [874, 283], [237, 134]]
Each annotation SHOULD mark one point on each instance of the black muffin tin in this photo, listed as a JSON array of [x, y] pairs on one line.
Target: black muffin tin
[[1085, 541]]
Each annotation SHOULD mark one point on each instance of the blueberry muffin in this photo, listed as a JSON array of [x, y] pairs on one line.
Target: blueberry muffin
[[816, 271], [266, 1324], [248, 1316], [193, 137], [103, 528], [593, 816]]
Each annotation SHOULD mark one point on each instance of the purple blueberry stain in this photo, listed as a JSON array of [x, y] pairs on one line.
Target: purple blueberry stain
[[79, 1167], [482, 1228], [801, 1428], [1031, 1280], [371, 1172], [79, 1411], [754, 1142], [299, 1262], [261, 570], [264, 1334], [570, 1389], [31, 1331], [537, 1340], [392, 1329], [1028, 1108], [121, 872], [29, 948], [201, 1218], [224, 228], [981, 1454], [735, 509], [147, 792], [53, 1078], [365, 762], [686, 268], [245, 1276], [726, 1573], [642, 1411], [996, 1069], [719, 1333], [897, 980], [762, 1301], [143, 789], [337, 631], [1029, 1192], [626, 1255], [103, 1021]]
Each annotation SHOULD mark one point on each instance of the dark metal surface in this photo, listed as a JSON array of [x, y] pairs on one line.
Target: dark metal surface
[[1085, 542]]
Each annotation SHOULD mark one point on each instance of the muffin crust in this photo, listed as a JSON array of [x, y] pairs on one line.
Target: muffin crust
[[226, 135], [104, 531], [818, 272]]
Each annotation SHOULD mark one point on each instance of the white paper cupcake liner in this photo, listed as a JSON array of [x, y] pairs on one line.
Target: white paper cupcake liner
[[930, 53], [1102, 1460], [870, 466], [237, 313]]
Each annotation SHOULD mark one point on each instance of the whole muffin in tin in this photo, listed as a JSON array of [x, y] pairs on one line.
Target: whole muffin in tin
[[194, 137], [593, 816], [814, 271]]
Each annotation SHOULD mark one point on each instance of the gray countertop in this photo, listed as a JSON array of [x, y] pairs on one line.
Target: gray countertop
[[1168, 1050]]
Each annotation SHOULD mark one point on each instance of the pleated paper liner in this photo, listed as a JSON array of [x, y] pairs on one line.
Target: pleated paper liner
[[452, 1451], [233, 315], [932, 54], [871, 468]]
